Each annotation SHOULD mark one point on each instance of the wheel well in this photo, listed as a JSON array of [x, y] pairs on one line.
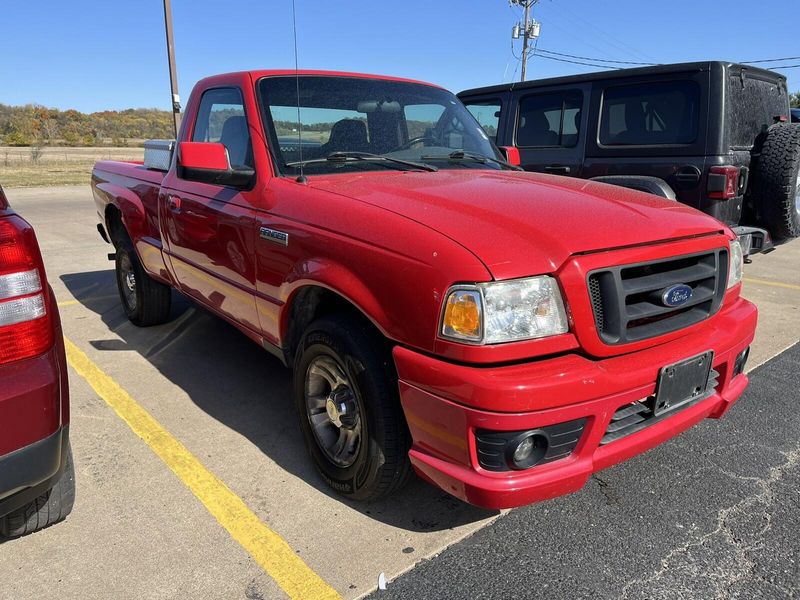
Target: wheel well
[[311, 303], [114, 223]]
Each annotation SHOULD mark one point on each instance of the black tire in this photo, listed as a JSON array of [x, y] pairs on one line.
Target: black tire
[[145, 301], [46, 510], [776, 186], [379, 463]]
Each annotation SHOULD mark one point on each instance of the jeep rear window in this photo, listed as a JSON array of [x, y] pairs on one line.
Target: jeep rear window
[[549, 120], [650, 114]]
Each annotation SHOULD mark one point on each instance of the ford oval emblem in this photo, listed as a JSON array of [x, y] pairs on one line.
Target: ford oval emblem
[[676, 295]]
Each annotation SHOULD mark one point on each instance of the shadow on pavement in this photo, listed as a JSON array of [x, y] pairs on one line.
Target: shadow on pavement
[[248, 390]]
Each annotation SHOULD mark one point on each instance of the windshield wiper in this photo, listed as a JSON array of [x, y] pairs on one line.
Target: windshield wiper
[[363, 156], [462, 155]]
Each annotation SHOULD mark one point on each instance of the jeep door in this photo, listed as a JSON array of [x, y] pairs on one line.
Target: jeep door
[[547, 127], [654, 126]]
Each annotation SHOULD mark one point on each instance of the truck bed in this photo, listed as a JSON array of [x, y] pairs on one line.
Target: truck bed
[[132, 189]]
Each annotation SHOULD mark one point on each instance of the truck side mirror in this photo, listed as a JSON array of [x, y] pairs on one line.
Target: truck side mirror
[[208, 162], [511, 154]]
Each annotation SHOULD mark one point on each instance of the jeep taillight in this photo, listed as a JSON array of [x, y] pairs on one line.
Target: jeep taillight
[[723, 182], [25, 327]]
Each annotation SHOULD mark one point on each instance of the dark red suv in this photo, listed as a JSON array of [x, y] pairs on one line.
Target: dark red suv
[[37, 481]]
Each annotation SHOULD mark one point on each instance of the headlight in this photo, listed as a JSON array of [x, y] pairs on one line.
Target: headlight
[[737, 264], [504, 311]]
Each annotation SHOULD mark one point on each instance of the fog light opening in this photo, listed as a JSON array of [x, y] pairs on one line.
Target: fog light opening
[[741, 361], [527, 449]]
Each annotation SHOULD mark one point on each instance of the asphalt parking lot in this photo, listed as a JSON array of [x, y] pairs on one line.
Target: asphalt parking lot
[[213, 497]]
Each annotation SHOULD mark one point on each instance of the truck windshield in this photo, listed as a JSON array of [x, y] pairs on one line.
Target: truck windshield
[[407, 122]]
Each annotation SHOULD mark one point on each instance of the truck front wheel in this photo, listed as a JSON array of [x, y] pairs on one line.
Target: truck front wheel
[[145, 301], [345, 390]]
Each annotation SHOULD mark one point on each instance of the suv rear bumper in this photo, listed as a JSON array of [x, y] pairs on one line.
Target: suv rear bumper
[[29, 472], [446, 403]]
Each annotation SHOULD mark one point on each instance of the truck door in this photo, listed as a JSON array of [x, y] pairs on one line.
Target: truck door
[[210, 229], [547, 130]]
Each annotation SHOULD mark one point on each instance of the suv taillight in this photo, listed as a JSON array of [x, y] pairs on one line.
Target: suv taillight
[[723, 182], [25, 329]]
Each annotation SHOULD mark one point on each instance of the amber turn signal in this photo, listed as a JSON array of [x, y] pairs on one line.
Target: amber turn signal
[[462, 315]]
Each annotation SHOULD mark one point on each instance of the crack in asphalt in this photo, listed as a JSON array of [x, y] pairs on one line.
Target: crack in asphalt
[[612, 499], [725, 577]]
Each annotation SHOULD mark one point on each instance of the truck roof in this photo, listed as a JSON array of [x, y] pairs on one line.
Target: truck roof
[[623, 73], [257, 74]]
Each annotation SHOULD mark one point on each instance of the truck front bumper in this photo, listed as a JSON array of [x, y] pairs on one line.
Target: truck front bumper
[[446, 404]]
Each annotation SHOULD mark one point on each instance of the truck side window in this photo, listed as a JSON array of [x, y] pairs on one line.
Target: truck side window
[[221, 118], [487, 113], [549, 120], [650, 114]]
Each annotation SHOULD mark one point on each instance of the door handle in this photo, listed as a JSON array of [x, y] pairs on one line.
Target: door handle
[[688, 175], [174, 204], [557, 169]]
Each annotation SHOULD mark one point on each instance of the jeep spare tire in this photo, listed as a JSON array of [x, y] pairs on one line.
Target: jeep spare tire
[[776, 181]]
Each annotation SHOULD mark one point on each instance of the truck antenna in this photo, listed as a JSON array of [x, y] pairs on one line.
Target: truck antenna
[[302, 178]]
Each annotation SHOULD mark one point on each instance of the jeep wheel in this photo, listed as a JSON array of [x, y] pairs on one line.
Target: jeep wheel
[[145, 301], [345, 390], [776, 181], [46, 510]]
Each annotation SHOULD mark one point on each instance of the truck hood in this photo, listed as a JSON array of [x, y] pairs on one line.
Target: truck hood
[[521, 224]]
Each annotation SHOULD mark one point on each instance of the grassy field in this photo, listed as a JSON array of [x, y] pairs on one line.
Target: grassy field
[[56, 165]]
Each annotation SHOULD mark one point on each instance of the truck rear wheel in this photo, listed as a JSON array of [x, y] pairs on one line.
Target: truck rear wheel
[[345, 391], [776, 181], [145, 301], [46, 510]]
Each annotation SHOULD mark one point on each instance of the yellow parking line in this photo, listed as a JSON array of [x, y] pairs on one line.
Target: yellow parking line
[[266, 547], [64, 303], [788, 286]]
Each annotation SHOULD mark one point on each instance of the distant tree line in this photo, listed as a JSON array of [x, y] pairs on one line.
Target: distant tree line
[[34, 125], [795, 99]]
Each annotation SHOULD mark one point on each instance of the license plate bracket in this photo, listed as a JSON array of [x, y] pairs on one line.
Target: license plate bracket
[[681, 383]]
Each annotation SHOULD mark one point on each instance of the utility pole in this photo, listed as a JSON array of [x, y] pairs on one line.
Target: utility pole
[[529, 29], [173, 73]]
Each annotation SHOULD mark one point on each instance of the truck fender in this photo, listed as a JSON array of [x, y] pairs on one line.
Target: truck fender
[[130, 207], [335, 278], [643, 183]]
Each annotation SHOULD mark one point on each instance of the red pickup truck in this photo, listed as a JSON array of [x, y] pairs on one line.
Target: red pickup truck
[[504, 333]]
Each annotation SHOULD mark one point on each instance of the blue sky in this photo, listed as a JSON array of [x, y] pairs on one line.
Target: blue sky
[[109, 54]]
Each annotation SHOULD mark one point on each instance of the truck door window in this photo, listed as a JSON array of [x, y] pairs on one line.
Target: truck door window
[[487, 113], [221, 118], [650, 114], [421, 119], [549, 120]]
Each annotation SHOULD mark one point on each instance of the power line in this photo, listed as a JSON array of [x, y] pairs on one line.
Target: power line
[[576, 62], [574, 19], [752, 62], [786, 67], [605, 60]]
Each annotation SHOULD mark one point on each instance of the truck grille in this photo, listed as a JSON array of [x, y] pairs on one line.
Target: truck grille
[[627, 304], [636, 416]]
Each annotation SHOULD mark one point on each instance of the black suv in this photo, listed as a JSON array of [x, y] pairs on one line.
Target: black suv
[[713, 135]]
